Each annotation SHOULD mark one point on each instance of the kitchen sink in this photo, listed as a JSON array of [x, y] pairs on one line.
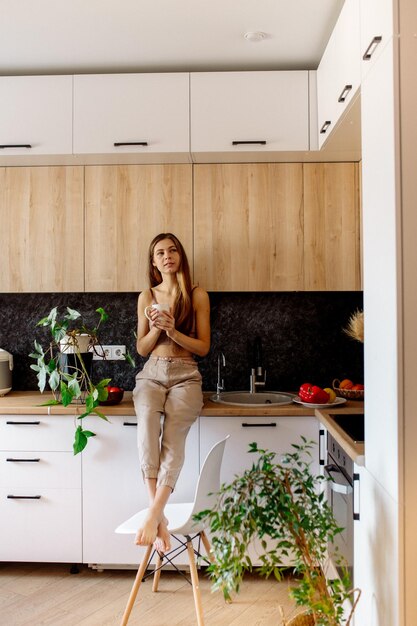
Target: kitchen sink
[[245, 398]]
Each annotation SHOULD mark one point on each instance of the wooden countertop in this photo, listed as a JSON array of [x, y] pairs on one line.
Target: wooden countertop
[[30, 403], [356, 451]]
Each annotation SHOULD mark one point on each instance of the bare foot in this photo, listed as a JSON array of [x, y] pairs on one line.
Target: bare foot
[[146, 534], [163, 538]]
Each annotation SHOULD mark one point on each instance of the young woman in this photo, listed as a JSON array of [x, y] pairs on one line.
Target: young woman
[[170, 383]]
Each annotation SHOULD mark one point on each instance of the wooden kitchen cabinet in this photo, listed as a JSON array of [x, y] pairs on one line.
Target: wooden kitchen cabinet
[[248, 107], [339, 71], [331, 227], [35, 117], [277, 227], [42, 232], [113, 490], [148, 109], [248, 221], [40, 490], [125, 207]]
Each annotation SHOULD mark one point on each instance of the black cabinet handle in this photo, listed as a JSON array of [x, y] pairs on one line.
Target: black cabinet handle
[[11, 460], [130, 143], [24, 497], [344, 93], [356, 483], [129, 424], [24, 423], [270, 425], [371, 48], [322, 434], [261, 142], [15, 145], [325, 126]]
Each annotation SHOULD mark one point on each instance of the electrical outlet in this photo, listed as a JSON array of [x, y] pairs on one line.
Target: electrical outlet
[[103, 352], [118, 353]]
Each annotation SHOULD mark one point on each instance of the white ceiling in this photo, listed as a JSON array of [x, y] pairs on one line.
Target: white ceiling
[[93, 36]]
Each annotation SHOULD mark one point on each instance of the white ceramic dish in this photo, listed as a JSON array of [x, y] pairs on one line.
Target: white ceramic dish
[[328, 405]]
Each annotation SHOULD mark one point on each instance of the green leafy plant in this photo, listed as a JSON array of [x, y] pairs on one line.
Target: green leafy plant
[[284, 502], [74, 382]]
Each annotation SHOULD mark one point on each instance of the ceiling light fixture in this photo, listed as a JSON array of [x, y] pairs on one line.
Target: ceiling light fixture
[[255, 35]]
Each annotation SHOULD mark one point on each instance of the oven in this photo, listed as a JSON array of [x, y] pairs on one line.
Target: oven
[[340, 496]]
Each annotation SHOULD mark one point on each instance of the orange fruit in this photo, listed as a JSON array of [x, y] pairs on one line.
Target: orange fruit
[[346, 383]]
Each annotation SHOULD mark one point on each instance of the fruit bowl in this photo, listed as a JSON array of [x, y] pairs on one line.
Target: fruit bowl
[[115, 396], [349, 394]]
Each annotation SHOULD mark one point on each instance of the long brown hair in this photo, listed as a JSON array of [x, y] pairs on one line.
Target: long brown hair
[[183, 310]]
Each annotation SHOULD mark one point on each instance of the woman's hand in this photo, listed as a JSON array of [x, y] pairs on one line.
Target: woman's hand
[[154, 315], [164, 320]]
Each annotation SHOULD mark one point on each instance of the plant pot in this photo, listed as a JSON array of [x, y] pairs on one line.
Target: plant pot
[[302, 619], [70, 363], [81, 343]]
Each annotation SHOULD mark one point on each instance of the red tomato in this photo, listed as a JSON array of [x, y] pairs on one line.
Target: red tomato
[[114, 389]]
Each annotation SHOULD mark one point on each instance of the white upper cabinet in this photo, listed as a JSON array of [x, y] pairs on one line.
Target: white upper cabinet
[[377, 28], [35, 116], [237, 116], [141, 115], [339, 72]]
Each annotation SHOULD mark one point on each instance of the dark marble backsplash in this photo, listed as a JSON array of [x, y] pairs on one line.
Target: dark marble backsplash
[[301, 335]]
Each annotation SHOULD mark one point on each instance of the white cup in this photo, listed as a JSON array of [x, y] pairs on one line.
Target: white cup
[[158, 307]]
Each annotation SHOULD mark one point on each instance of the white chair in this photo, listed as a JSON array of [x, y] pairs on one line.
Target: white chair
[[180, 517]]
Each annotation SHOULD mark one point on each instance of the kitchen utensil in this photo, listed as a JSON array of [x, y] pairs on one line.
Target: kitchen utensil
[[6, 367]]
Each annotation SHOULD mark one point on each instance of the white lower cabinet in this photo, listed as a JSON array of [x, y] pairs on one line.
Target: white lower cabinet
[[40, 490], [275, 434], [376, 553], [113, 490], [57, 507]]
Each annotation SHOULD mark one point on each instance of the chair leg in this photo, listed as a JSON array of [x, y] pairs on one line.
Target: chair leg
[[157, 573], [136, 585], [195, 583], [207, 546]]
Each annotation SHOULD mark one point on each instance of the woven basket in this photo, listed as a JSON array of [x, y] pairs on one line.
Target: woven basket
[[302, 619], [349, 394]]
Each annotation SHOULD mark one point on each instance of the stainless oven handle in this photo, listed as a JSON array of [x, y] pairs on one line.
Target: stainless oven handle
[[336, 487]]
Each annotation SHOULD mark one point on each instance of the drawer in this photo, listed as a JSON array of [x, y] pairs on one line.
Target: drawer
[[39, 469], [37, 432], [44, 528]]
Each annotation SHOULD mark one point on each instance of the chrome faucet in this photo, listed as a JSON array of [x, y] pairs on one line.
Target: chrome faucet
[[257, 371], [221, 362], [253, 382]]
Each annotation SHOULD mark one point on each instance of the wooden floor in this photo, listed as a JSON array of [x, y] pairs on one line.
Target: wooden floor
[[36, 594]]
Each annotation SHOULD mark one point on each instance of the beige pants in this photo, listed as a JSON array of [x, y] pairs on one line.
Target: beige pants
[[171, 388]]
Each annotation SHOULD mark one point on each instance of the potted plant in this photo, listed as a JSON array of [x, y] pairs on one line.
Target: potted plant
[[66, 366], [282, 501]]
